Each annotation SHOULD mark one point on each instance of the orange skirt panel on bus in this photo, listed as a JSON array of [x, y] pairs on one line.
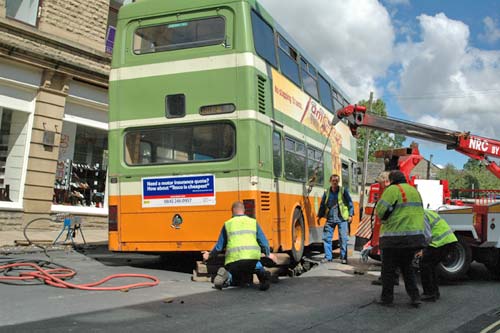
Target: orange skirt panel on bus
[[200, 227]]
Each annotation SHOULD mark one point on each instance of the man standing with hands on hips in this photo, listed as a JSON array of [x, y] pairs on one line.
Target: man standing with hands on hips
[[336, 206]]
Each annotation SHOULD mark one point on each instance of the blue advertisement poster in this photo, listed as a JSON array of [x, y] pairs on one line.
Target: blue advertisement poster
[[192, 190]]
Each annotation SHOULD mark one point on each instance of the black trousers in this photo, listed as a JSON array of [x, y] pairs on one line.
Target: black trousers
[[401, 258], [431, 257], [242, 271]]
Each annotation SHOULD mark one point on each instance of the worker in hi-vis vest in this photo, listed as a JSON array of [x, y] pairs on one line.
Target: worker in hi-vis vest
[[245, 243], [336, 206], [442, 242], [402, 234]]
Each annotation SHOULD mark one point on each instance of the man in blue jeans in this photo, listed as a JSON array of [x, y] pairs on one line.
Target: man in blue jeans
[[336, 206]]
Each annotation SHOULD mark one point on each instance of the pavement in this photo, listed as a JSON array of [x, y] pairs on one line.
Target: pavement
[[15, 238]]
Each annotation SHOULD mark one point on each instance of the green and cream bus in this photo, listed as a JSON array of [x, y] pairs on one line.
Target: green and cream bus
[[212, 102]]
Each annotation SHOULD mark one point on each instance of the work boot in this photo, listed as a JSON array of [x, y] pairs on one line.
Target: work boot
[[221, 279], [429, 298], [324, 260], [344, 261], [384, 303], [378, 282], [265, 280], [415, 302]]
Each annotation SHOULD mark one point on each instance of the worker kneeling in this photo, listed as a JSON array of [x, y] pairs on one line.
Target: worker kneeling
[[244, 242], [442, 242]]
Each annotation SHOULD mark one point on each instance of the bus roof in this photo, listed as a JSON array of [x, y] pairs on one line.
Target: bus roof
[[145, 8]]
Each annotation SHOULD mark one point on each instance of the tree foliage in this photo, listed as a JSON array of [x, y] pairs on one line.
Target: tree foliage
[[378, 140], [473, 176]]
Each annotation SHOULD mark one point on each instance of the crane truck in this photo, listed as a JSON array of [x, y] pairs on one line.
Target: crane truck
[[476, 225]]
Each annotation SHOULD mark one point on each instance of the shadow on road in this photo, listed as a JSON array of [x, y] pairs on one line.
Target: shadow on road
[[183, 262]]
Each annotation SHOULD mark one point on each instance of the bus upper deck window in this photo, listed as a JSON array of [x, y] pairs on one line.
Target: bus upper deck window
[[175, 106], [180, 35]]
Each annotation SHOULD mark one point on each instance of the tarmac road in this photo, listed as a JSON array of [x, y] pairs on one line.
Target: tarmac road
[[328, 298]]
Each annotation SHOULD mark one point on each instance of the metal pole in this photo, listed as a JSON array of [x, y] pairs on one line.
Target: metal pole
[[365, 162], [429, 162]]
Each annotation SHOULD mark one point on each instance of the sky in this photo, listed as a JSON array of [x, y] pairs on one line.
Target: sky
[[435, 62]]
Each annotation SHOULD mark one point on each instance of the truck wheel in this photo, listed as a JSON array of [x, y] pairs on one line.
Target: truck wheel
[[457, 263], [298, 236]]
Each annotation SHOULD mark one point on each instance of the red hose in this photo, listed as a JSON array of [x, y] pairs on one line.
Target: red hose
[[54, 278]]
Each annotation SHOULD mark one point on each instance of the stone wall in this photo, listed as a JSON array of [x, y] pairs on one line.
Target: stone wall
[[83, 22], [17, 39]]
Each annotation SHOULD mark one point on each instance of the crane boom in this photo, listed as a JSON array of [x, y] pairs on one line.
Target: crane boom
[[475, 147]]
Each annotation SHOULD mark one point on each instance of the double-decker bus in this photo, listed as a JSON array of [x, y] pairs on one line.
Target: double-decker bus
[[212, 102]]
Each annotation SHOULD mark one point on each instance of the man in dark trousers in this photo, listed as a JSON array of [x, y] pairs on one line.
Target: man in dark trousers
[[244, 242], [383, 182], [442, 241], [402, 234], [336, 206]]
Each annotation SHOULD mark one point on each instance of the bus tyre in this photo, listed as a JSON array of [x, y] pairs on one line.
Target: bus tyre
[[298, 236], [457, 262]]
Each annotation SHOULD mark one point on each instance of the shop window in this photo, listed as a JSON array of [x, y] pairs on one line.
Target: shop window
[[81, 169], [22, 10], [13, 131]]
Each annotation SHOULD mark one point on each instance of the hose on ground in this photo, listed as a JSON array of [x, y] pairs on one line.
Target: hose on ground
[[24, 271], [29, 240]]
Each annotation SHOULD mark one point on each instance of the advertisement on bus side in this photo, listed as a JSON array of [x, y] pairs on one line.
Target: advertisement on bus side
[[191, 190]]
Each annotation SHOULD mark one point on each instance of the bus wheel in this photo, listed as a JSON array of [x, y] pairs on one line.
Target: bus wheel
[[298, 236], [457, 262]]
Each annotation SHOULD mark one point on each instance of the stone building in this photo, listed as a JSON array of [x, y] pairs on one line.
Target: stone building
[[54, 65], [422, 169]]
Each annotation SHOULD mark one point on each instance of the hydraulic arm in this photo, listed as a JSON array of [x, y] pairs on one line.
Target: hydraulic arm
[[475, 147]]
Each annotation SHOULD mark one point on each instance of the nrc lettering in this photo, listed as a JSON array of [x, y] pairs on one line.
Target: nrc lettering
[[484, 146], [478, 145]]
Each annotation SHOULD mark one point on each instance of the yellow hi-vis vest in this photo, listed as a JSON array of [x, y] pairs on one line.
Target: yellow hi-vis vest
[[404, 226], [441, 231], [241, 239], [343, 209]]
